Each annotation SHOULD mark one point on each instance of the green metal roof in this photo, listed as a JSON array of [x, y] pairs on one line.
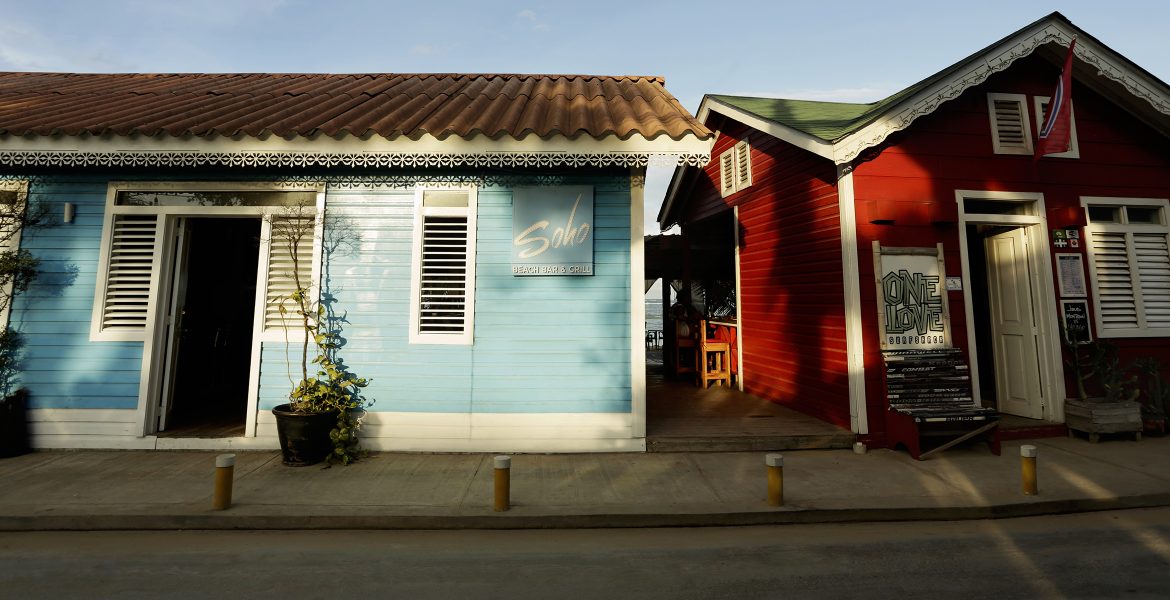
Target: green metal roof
[[829, 121]]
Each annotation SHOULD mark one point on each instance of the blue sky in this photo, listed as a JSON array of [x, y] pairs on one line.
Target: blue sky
[[844, 50]]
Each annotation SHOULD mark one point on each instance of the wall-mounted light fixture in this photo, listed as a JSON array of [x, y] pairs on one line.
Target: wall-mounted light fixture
[[70, 211]]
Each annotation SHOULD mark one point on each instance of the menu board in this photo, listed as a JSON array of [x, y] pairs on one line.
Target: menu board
[[1075, 319]]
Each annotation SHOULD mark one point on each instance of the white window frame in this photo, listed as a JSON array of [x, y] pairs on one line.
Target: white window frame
[[20, 186], [1142, 330], [467, 336], [163, 215], [1074, 149], [1022, 103], [729, 164]]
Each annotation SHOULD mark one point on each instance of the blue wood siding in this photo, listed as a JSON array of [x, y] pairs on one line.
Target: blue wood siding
[[60, 366], [542, 344]]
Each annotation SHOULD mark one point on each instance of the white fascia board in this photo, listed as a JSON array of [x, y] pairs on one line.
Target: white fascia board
[[676, 179], [784, 133], [689, 149]]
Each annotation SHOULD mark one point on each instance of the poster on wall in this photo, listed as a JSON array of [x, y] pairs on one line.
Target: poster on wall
[[552, 231], [913, 312], [1070, 272]]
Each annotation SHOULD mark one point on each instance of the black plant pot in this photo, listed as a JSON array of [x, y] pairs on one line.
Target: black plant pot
[[304, 437], [14, 424]]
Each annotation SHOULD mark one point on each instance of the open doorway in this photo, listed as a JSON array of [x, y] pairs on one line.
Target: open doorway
[[1013, 344], [210, 321]]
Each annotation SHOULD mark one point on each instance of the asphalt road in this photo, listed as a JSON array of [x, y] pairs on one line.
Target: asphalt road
[[1099, 555]]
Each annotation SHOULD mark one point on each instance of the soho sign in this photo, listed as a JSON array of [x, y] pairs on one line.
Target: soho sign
[[552, 230]]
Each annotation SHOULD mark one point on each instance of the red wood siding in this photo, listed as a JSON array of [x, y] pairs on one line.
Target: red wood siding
[[914, 178], [791, 291]]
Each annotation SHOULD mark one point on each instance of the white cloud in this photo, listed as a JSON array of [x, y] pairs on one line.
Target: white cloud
[[24, 48], [530, 16], [422, 50]]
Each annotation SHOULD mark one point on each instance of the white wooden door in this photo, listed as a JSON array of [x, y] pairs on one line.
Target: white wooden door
[[1013, 325], [174, 320]]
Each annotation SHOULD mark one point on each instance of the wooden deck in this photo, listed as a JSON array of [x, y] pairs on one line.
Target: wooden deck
[[684, 418]]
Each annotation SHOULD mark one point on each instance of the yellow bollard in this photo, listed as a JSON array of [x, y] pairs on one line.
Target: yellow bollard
[[775, 464], [503, 482], [225, 469], [1028, 470]]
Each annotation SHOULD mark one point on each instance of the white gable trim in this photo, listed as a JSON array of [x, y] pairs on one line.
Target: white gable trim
[[1109, 65]]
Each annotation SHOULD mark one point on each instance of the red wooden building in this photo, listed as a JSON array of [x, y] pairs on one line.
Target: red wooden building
[[806, 192]]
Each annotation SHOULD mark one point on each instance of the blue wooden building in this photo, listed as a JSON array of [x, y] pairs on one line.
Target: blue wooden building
[[476, 238]]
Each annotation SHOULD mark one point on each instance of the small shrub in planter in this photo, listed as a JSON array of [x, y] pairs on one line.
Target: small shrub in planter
[[1116, 409], [324, 410]]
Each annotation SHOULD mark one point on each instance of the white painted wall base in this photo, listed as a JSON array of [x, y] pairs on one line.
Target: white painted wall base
[[381, 431]]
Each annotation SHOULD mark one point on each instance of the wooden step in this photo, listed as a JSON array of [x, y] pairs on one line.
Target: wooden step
[[749, 443]]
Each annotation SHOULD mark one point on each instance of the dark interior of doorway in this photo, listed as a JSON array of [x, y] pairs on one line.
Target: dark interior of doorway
[[210, 396], [981, 308]]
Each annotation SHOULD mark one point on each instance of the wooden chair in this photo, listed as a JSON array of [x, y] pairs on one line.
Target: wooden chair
[[685, 351], [714, 360]]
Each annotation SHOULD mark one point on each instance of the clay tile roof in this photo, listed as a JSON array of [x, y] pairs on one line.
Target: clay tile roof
[[387, 105]]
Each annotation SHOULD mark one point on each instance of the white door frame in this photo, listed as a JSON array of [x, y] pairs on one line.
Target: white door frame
[[153, 335], [1043, 291]]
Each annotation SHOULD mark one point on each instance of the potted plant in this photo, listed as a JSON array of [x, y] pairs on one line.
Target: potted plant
[[18, 268], [322, 417], [1116, 409]]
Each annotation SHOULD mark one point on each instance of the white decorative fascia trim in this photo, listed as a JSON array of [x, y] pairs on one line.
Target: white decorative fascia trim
[[425, 152], [186, 159], [1109, 65]]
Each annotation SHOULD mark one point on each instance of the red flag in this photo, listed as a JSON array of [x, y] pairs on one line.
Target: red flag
[[1055, 133]]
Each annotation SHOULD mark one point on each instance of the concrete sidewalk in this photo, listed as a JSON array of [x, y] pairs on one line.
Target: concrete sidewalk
[[90, 490]]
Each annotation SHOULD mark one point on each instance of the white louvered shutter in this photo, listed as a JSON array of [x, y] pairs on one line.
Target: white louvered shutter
[[1009, 124], [1153, 266], [1114, 280], [743, 166], [727, 173], [283, 271], [443, 275], [133, 246]]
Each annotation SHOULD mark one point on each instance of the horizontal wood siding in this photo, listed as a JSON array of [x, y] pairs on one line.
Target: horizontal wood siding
[[60, 366], [914, 178], [791, 289], [542, 344], [370, 279], [553, 344]]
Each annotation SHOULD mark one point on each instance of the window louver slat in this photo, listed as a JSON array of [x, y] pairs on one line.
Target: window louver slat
[[128, 278], [1009, 123], [1153, 263], [1114, 281], [443, 278], [283, 272], [743, 166], [727, 173]]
